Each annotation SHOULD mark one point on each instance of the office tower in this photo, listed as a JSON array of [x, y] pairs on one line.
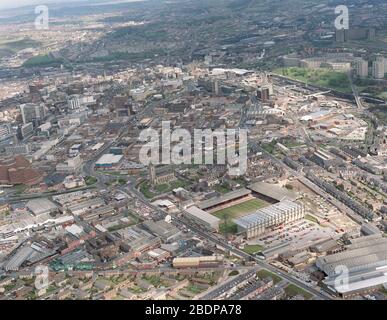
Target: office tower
[[378, 67], [32, 113], [263, 93], [371, 34], [342, 35], [362, 68], [5, 131], [25, 130]]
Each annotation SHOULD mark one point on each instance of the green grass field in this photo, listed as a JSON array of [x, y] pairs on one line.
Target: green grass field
[[240, 209], [311, 218], [320, 77], [149, 192], [251, 249], [292, 290], [263, 273]]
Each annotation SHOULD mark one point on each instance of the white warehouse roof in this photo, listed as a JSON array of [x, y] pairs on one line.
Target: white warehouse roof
[[109, 158], [202, 215]]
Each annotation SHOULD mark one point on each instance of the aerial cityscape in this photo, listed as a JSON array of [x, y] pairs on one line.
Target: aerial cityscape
[[193, 150]]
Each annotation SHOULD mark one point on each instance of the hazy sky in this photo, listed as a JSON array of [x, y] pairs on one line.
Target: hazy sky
[[18, 3], [7, 4]]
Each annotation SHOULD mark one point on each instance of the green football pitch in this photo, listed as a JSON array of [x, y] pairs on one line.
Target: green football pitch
[[240, 209]]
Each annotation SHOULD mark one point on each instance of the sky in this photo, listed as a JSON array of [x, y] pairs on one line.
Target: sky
[[5, 4], [9, 4]]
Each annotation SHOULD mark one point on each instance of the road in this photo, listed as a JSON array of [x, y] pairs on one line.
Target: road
[[355, 92]]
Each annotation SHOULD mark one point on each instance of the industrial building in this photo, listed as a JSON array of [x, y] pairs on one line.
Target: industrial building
[[41, 206], [137, 240], [257, 223], [203, 218], [108, 161], [84, 206], [27, 254], [166, 231], [324, 159], [198, 262], [365, 259]]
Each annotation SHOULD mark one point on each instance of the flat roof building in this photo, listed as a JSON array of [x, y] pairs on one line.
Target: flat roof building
[[166, 231], [108, 160], [272, 192], [197, 262], [41, 206], [202, 217], [371, 254], [364, 260]]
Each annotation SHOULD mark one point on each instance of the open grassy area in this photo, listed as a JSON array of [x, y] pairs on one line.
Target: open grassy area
[[292, 290], [194, 288], [43, 61], [149, 192], [228, 227], [154, 280], [319, 77], [90, 181], [263, 273], [269, 147], [251, 249], [383, 290], [240, 209], [383, 95], [222, 189], [311, 218], [11, 46]]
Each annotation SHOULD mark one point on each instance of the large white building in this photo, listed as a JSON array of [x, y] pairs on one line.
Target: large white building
[[365, 264], [257, 223]]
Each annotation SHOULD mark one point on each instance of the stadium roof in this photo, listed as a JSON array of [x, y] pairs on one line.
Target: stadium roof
[[272, 191], [265, 215], [226, 197], [202, 215]]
